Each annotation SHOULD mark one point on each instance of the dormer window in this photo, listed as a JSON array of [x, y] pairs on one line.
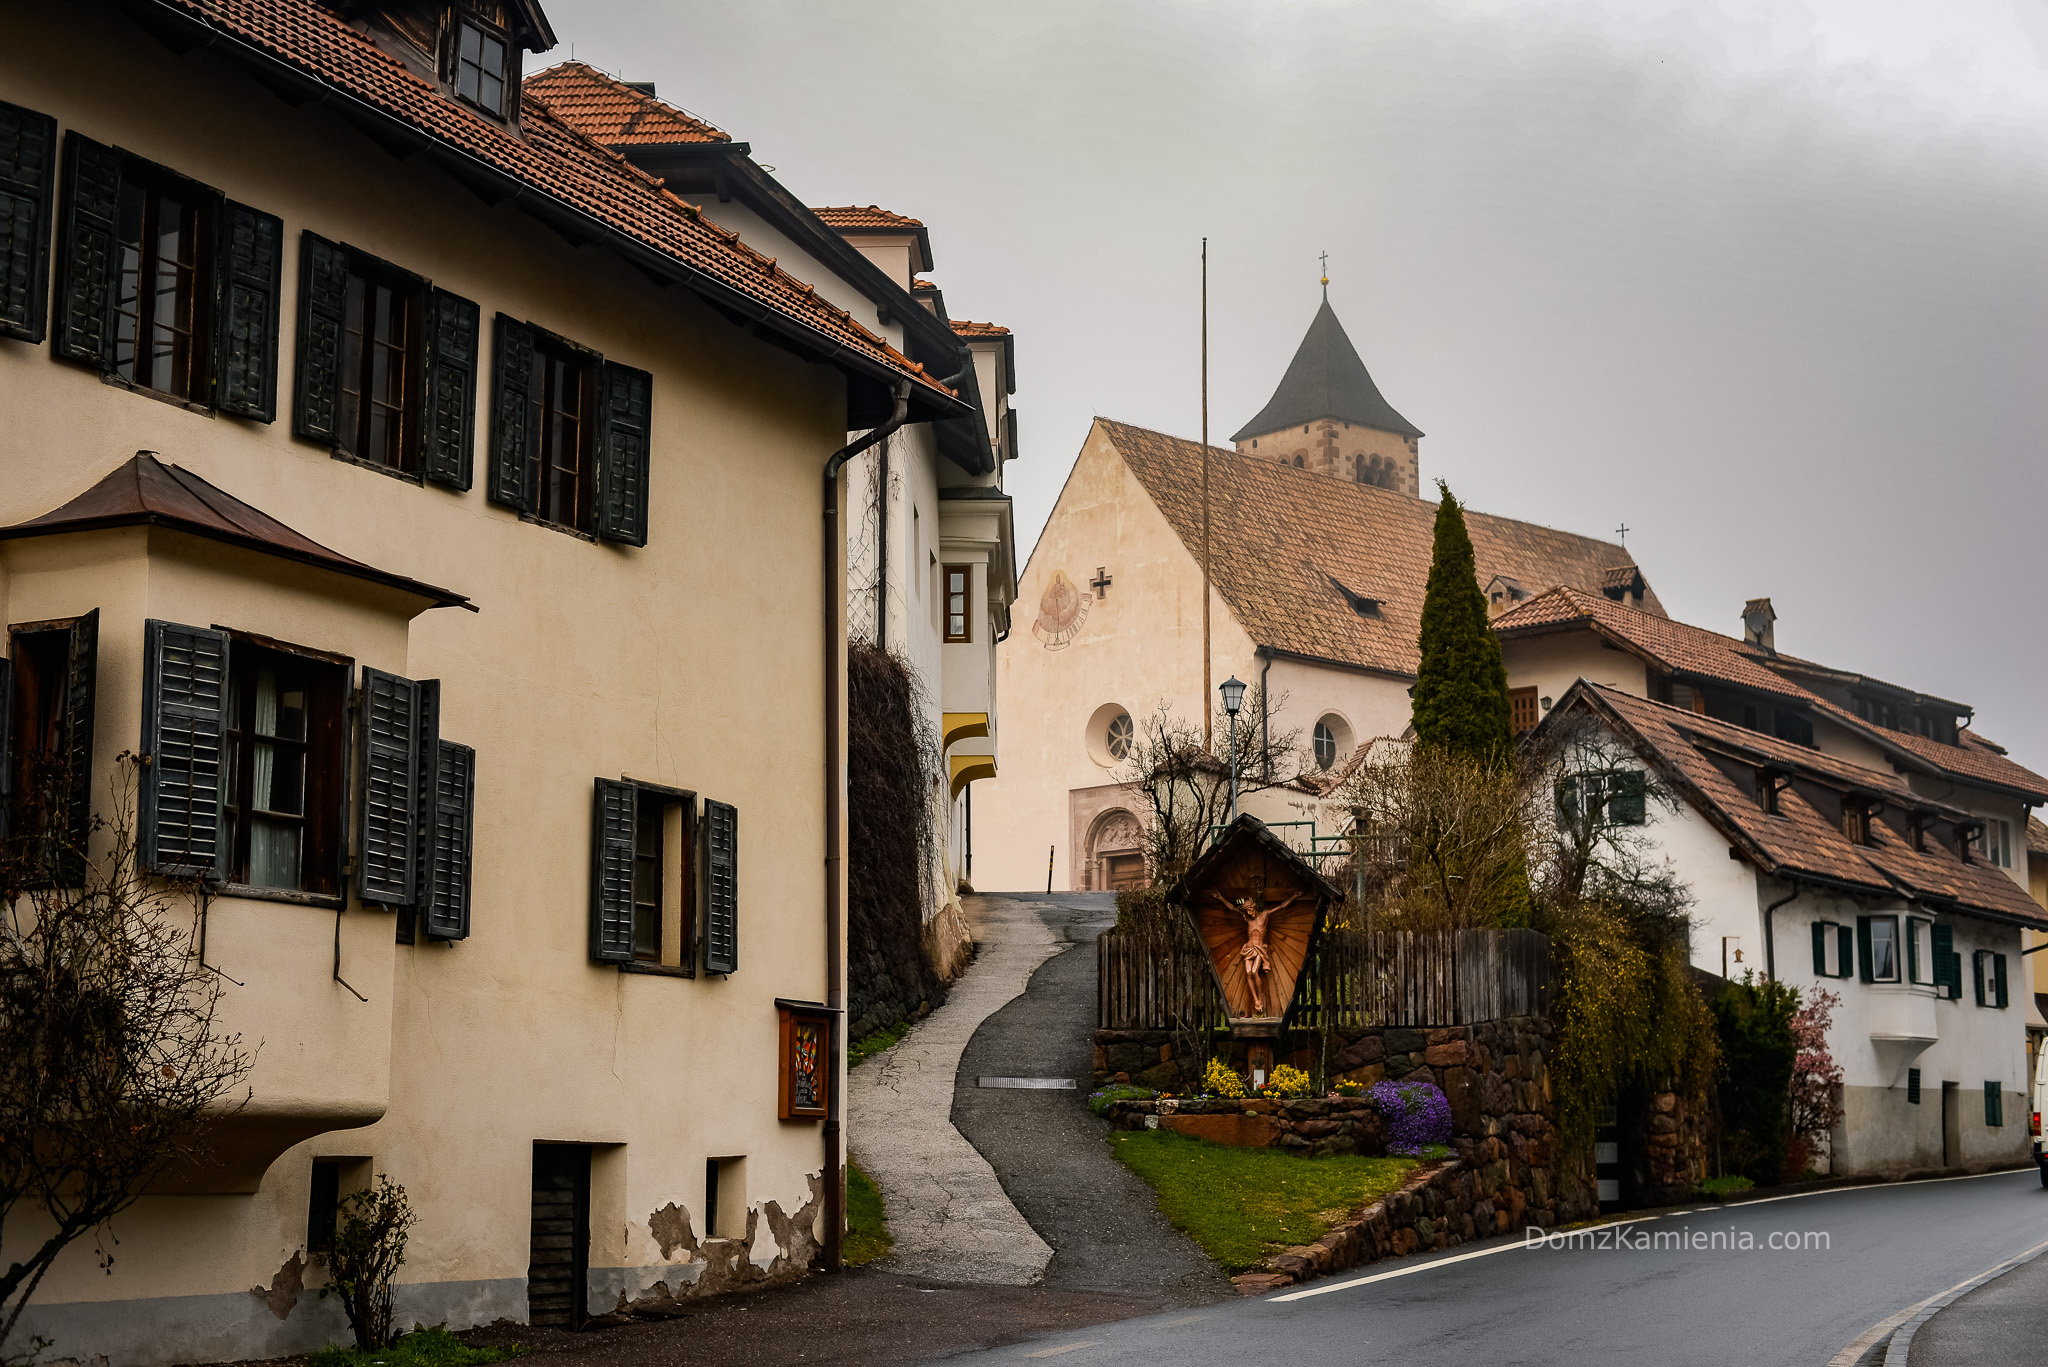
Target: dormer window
[[481, 73]]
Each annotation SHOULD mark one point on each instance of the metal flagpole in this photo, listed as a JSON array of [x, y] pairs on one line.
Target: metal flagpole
[[1208, 719]]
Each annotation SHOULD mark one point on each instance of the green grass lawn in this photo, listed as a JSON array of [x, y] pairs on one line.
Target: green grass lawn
[[428, 1348], [867, 1237], [1240, 1205]]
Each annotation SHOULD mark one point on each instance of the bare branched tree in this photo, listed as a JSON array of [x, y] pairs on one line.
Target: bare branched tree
[[1185, 785], [1445, 837], [112, 1063]]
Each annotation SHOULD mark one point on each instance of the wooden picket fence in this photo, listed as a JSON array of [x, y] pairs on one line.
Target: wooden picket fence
[[1159, 979]]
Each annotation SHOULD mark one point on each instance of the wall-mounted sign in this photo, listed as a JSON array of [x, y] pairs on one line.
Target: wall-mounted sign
[[806, 1062]]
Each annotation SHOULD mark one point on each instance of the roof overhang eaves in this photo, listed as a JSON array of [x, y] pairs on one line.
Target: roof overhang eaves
[[928, 403], [1348, 666], [436, 597]]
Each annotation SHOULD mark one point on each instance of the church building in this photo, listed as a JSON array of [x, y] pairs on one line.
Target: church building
[[1319, 548]]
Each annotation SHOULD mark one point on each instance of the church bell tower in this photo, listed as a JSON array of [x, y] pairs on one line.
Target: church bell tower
[[1328, 416]]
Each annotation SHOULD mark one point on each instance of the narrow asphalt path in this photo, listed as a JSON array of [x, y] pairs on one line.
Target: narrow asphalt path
[[1866, 1253], [946, 1210], [1050, 1151]]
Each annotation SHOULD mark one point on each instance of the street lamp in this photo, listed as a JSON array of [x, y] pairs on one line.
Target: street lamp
[[1232, 690]]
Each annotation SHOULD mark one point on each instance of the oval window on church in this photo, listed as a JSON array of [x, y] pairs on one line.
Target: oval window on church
[[1332, 738], [1121, 733]]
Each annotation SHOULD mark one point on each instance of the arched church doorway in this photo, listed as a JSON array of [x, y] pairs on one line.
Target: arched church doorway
[[1116, 852]]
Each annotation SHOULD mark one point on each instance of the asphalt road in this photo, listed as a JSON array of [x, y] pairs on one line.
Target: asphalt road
[[1879, 1250], [1048, 1150]]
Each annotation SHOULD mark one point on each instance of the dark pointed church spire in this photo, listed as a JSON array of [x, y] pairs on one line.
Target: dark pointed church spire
[[1326, 380]]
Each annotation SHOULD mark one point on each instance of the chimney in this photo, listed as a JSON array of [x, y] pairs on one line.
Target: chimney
[[1757, 616]]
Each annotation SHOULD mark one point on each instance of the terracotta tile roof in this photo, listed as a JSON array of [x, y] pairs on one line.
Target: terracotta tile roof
[[844, 216], [1290, 549], [921, 284], [1707, 654], [1675, 645], [552, 159], [1801, 840], [607, 110], [964, 328], [143, 491], [2037, 836]]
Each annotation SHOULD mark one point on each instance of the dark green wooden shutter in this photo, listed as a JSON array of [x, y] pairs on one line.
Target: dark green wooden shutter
[[722, 898], [1845, 950], [87, 258], [1820, 949], [448, 412], [184, 715], [622, 462], [611, 871], [444, 902], [1948, 965], [1977, 975], [511, 477], [1994, 1103], [323, 299], [387, 812], [248, 284], [1999, 999], [6, 745], [28, 174], [1863, 966], [1912, 949], [1626, 805], [427, 740], [1913, 1086], [81, 682]]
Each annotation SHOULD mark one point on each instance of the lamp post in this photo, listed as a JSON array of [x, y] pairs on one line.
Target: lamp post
[[1233, 698]]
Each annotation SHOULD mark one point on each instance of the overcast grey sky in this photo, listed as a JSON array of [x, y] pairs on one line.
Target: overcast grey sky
[[1768, 281]]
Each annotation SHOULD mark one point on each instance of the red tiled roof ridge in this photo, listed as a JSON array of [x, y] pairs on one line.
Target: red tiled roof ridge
[[885, 218], [282, 28], [548, 83], [968, 325]]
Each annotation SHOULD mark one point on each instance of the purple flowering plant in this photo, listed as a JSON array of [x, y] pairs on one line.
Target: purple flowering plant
[[1418, 1116]]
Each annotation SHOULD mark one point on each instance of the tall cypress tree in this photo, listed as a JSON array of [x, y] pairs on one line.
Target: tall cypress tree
[[1461, 687]]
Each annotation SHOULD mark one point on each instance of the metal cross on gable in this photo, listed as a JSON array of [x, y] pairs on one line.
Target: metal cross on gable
[[1622, 531], [1101, 582]]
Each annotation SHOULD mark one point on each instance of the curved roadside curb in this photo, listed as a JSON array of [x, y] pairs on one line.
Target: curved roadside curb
[[949, 1215], [1913, 1316]]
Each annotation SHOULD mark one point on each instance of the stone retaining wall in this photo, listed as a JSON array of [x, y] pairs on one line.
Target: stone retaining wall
[[1441, 1204], [1311, 1127]]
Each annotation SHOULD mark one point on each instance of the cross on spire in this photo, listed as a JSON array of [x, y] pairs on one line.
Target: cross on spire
[[1326, 277], [1622, 531]]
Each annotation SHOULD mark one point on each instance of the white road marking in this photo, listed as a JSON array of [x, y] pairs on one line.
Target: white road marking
[[1435, 1263], [1063, 1348]]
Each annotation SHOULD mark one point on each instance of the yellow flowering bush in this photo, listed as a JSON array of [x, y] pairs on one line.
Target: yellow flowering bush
[[1287, 1081], [1222, 1081]]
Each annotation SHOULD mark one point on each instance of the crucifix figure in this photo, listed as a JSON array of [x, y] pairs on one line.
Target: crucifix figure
[[1257, 962], [1101, 582]]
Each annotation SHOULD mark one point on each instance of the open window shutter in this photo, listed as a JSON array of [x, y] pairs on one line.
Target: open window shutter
[[6, 743], [1627, 806], [721, 902], [1977, 975], [427, 740], [388, 812], [86, 260], [1998, 997], [81, 677], [444, 901], [1912, 949], [184, 715], [623, 455], [28, 173], [1863, 967], [1948, 969], [1845, 950], [611, 871], [248, 284], [1820, 950], [511, 482], [323, 299], [448, 414]]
